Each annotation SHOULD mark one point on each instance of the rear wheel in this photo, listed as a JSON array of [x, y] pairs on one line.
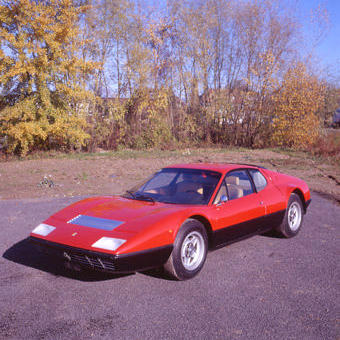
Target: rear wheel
[[293, 218], [189, 252]]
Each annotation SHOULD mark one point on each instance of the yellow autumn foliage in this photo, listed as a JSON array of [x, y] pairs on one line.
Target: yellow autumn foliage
[[149, 120], [107, 125], [113, 73], [295, 122], [41, 76]]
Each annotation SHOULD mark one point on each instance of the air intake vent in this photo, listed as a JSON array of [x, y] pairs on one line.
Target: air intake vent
[[93, 262], [95, 222]]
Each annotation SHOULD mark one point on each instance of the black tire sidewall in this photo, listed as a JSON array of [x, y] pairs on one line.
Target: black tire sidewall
[[188, 227]]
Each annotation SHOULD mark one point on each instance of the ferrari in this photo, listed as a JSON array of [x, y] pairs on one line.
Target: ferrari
[[174, 217]]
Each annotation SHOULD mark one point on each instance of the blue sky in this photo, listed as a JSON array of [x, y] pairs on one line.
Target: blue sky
[[328, 50]]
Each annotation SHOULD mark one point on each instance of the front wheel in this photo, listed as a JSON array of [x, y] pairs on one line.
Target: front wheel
[[189, 252], [293, 218]]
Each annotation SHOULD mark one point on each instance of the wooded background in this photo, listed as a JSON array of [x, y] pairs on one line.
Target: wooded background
[[78, 75]]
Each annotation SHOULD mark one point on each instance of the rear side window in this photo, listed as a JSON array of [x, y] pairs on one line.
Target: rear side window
[[259, 180]]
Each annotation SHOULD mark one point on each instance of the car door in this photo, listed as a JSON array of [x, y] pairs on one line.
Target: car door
[[271, 197], [243, 211]]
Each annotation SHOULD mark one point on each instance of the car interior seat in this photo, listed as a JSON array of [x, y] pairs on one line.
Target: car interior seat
[[234, 188], [186, 186]]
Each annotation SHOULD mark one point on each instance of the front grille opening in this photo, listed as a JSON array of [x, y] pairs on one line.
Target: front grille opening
[[88, 261]]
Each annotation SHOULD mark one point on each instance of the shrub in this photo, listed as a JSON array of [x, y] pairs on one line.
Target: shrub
[[327, 145], [295, 122]]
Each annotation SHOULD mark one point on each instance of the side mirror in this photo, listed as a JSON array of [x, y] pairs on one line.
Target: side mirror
[[223, 199]]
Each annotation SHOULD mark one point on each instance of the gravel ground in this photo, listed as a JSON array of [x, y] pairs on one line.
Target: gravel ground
[[260, 288]]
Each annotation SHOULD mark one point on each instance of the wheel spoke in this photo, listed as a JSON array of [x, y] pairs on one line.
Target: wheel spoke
[[192, 252], [294, 216]]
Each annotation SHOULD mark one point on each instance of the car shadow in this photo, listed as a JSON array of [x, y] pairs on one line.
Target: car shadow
[[272, 234], [26, 254], [158, 273]]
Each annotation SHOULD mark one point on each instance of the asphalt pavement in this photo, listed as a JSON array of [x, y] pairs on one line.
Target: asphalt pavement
[[263, 287]]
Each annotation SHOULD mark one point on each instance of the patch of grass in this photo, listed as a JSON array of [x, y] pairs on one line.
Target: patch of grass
[[82, 177], [125, 153], [295, 160], [35, 171], [318, 175], [291, 153], [92, 174]]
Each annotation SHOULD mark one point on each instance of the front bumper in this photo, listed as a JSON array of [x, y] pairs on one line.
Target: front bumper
[[123, 263]]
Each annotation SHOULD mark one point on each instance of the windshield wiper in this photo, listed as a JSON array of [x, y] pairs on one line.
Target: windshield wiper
[[145, 197], [131, 194], [140, 196]]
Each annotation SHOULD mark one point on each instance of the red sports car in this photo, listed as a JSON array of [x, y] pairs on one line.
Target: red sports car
[[173, 218]]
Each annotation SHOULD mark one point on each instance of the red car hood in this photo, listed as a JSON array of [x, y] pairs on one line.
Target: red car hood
[[113, 208], [133, 217]]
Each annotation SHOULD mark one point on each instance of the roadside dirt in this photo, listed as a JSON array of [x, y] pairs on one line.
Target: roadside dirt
[[113, 173]]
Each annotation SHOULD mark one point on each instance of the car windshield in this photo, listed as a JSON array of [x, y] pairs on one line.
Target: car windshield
[[177, 186]]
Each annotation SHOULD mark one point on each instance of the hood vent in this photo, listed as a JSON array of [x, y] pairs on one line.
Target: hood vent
[[95, 222]]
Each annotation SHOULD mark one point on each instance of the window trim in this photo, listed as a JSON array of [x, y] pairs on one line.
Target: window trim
[[249, 177], [182, 170]]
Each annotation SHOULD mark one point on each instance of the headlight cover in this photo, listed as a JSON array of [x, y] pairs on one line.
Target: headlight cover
[[108, 243], [43, 229]]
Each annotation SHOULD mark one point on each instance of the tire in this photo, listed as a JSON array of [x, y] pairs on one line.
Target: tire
[[293, 217], [189, 251]]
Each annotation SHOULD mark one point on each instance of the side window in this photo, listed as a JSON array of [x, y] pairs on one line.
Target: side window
[[259, 180], [238, 184]]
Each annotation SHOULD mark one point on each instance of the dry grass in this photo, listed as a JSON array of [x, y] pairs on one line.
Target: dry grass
[[328, 146], [113, 172]]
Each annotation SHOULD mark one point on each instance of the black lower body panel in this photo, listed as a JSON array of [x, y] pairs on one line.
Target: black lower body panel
[[246, 229], [124, 263]]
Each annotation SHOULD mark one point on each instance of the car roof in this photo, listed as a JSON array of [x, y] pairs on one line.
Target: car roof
[[219, 167]]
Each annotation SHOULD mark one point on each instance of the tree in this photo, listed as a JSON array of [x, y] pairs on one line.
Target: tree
[[42, 77], [331, 102], [295, 122]]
